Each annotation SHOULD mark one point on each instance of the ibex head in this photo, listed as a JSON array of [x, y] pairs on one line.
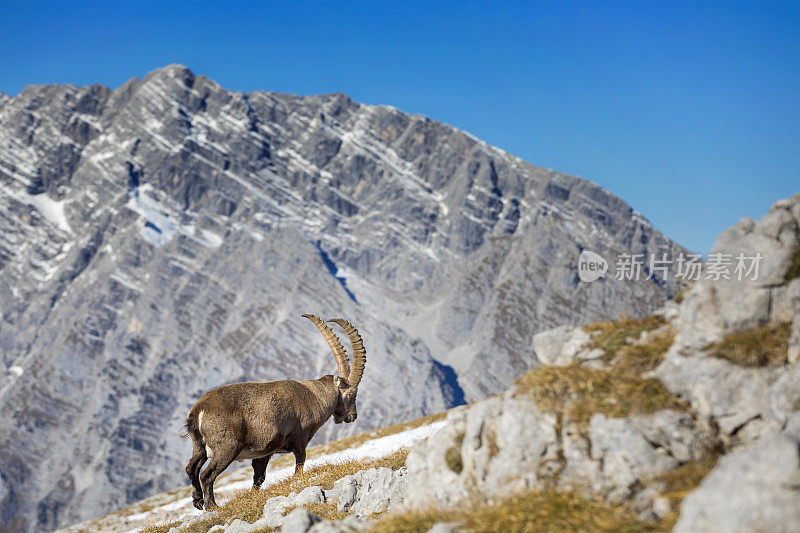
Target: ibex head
[[346, 404], [347, 380]]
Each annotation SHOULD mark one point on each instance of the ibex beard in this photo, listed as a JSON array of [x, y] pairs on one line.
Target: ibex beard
[[253, 421]]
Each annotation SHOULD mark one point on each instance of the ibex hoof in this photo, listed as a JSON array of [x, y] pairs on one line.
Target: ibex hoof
[[198, 503], [210, 506]]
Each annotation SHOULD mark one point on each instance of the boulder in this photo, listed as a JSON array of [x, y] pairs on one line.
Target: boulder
[[713, 307], [499, 445], [507, 444], [241, 526], [273, 511], [747, 302], [563, 345], [782, 400], [729, 394], [371, 491], [274, 508], [626, 456], [622, 454], [756, 488], [793, 298], [345, 525], [308, 495], [299, 521], [191, 521]]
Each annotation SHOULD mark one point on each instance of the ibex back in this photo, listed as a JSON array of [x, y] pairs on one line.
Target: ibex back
[[256, 420]]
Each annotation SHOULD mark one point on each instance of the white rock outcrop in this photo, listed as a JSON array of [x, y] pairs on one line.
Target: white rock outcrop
[[733, 396], [756, 488], [507, 444], [563, 345], [371, 491]]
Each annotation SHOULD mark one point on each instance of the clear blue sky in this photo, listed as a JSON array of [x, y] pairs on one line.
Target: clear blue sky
[[688, 111]]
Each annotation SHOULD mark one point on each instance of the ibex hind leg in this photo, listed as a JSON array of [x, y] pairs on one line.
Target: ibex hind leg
[[193, 471], [220, 459]]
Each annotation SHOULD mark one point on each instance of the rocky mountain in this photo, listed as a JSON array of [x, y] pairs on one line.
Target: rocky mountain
[[686, 421], [163, 238]]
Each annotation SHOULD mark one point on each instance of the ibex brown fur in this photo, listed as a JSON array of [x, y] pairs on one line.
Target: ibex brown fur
[[256, 420]]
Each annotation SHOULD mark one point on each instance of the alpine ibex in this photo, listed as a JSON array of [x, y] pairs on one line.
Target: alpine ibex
[[256, 420]]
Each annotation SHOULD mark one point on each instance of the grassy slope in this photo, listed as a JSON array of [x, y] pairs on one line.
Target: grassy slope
[[763, 346], [576, 392], [248, 504], [546, 511]]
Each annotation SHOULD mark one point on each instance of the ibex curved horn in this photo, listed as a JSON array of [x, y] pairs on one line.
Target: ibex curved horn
[[335, 344], [358, 352]]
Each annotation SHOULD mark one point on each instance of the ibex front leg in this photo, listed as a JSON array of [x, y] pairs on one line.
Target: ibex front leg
[[299, 460], [259, 471], [298, 446]]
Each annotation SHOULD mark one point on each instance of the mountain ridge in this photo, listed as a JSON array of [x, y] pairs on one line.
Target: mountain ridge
[[200, 222]]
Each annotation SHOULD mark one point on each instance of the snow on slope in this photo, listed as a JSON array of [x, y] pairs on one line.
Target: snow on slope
[[51, 209]]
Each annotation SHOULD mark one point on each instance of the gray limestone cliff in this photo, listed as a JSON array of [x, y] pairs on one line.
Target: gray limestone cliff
[[163, 238]]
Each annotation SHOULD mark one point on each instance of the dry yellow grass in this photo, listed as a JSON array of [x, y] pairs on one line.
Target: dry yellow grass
[[678, 482], [764, 346], [640, 358], [611, 336], [578, 392], [686, 477], [794, 267], [248, 505], [452, 457], [494, 449], [160, 528], [681, 294], [413, 521], [328, 511], [547, 511]]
